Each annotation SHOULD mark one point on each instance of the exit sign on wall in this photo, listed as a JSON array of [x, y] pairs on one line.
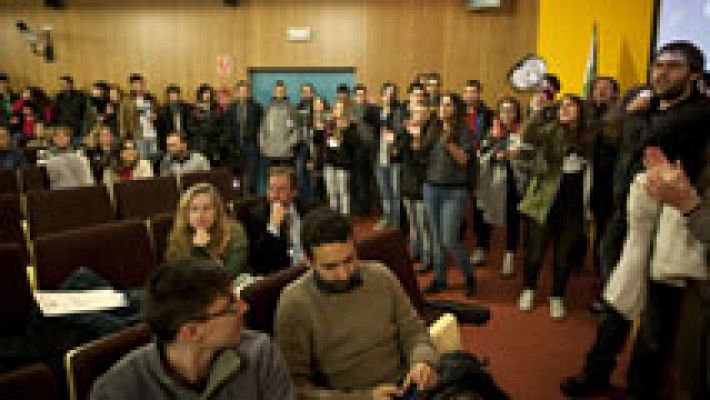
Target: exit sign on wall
[[298, 34], [482, 4]]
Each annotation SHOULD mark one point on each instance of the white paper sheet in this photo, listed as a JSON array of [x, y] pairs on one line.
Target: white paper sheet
[[63, 303]]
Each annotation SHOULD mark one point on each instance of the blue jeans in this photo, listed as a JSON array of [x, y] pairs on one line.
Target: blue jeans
[[388, 185], [419, 232], [445, 208]]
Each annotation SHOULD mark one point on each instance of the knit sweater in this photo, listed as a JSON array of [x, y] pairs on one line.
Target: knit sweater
[[277, 136], [341, 345]]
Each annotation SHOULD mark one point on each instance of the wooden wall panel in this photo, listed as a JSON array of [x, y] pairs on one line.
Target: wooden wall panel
[[180, 41]]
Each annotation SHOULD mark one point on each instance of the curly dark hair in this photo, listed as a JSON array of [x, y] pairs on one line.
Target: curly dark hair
[[322, 226]]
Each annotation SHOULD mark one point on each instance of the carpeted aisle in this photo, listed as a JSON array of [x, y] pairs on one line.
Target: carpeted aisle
[[529, 353]]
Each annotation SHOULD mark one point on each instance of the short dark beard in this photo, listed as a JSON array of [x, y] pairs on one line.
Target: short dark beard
[[673, 94], [349, 285]]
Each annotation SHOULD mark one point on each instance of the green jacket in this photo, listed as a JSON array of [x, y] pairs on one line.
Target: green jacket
[[235, 257], [546, 174]]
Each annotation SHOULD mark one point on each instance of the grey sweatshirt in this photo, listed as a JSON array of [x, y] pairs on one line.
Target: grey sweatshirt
[[278, 134], [254, 370]]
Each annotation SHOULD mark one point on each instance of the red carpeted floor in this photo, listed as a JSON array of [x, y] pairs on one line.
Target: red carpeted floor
[[529, 353]]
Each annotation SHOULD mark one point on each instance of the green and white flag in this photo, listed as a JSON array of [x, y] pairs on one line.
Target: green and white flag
[[591, 71]]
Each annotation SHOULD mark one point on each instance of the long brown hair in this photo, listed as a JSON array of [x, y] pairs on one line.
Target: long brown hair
[[579, 136], [180, 239]]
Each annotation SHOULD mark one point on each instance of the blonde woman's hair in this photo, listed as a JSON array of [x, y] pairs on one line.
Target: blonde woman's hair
[[180, 239]]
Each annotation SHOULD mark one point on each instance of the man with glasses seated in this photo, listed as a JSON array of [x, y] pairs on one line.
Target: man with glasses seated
[[200, 350]]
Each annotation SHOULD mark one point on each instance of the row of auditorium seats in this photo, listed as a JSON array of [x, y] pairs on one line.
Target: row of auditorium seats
[[85, 363], [23, 180], [35, 178], [55, 211]]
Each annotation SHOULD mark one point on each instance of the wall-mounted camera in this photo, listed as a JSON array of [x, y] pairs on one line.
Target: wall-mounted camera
[[40, 41]]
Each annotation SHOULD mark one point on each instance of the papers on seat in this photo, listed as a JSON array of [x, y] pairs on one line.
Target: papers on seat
[[57, 303]]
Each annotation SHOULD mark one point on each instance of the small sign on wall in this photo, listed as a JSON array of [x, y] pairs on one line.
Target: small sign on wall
[[225, 66], [302, 34]]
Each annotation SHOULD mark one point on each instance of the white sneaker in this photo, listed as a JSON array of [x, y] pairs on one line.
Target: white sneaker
[[478, 256], [508, 264], [380, 225], [557, 308], [527, 299]]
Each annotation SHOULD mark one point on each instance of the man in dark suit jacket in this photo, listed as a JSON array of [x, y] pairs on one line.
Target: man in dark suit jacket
[[246, 116], [274, 228], [173, 116]]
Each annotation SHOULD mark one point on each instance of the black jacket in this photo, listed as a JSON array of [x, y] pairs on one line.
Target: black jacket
[[393, 121], [254, 113], [69, 109], [480, 128], [414, 166], [341, 154], [268, 253], [166, 120]]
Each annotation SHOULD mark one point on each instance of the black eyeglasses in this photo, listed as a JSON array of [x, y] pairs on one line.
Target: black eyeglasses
[[232, 307]]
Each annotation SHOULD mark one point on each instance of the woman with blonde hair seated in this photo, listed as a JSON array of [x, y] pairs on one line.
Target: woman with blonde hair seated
[[202, 229]]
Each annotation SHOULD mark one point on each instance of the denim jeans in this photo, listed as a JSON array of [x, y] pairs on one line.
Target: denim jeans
[[445, 207], [337, 183], [419, 232], [388, 185]]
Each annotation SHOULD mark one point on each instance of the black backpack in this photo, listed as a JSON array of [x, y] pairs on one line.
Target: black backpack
[[463, 376]]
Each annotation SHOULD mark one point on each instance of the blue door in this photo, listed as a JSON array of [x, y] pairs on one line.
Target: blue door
[[324, 80]]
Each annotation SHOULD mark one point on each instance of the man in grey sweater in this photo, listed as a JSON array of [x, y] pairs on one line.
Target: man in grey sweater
[[278, 134], [200, 351], [347, 329], [178, 159]]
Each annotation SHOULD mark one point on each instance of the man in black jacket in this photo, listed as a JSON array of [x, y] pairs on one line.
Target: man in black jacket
[[173, 116], [247, 114], [677, 117], [304, 123], [69, 107], [274, 228], [366, 120], [478, 121], [601, 111]]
